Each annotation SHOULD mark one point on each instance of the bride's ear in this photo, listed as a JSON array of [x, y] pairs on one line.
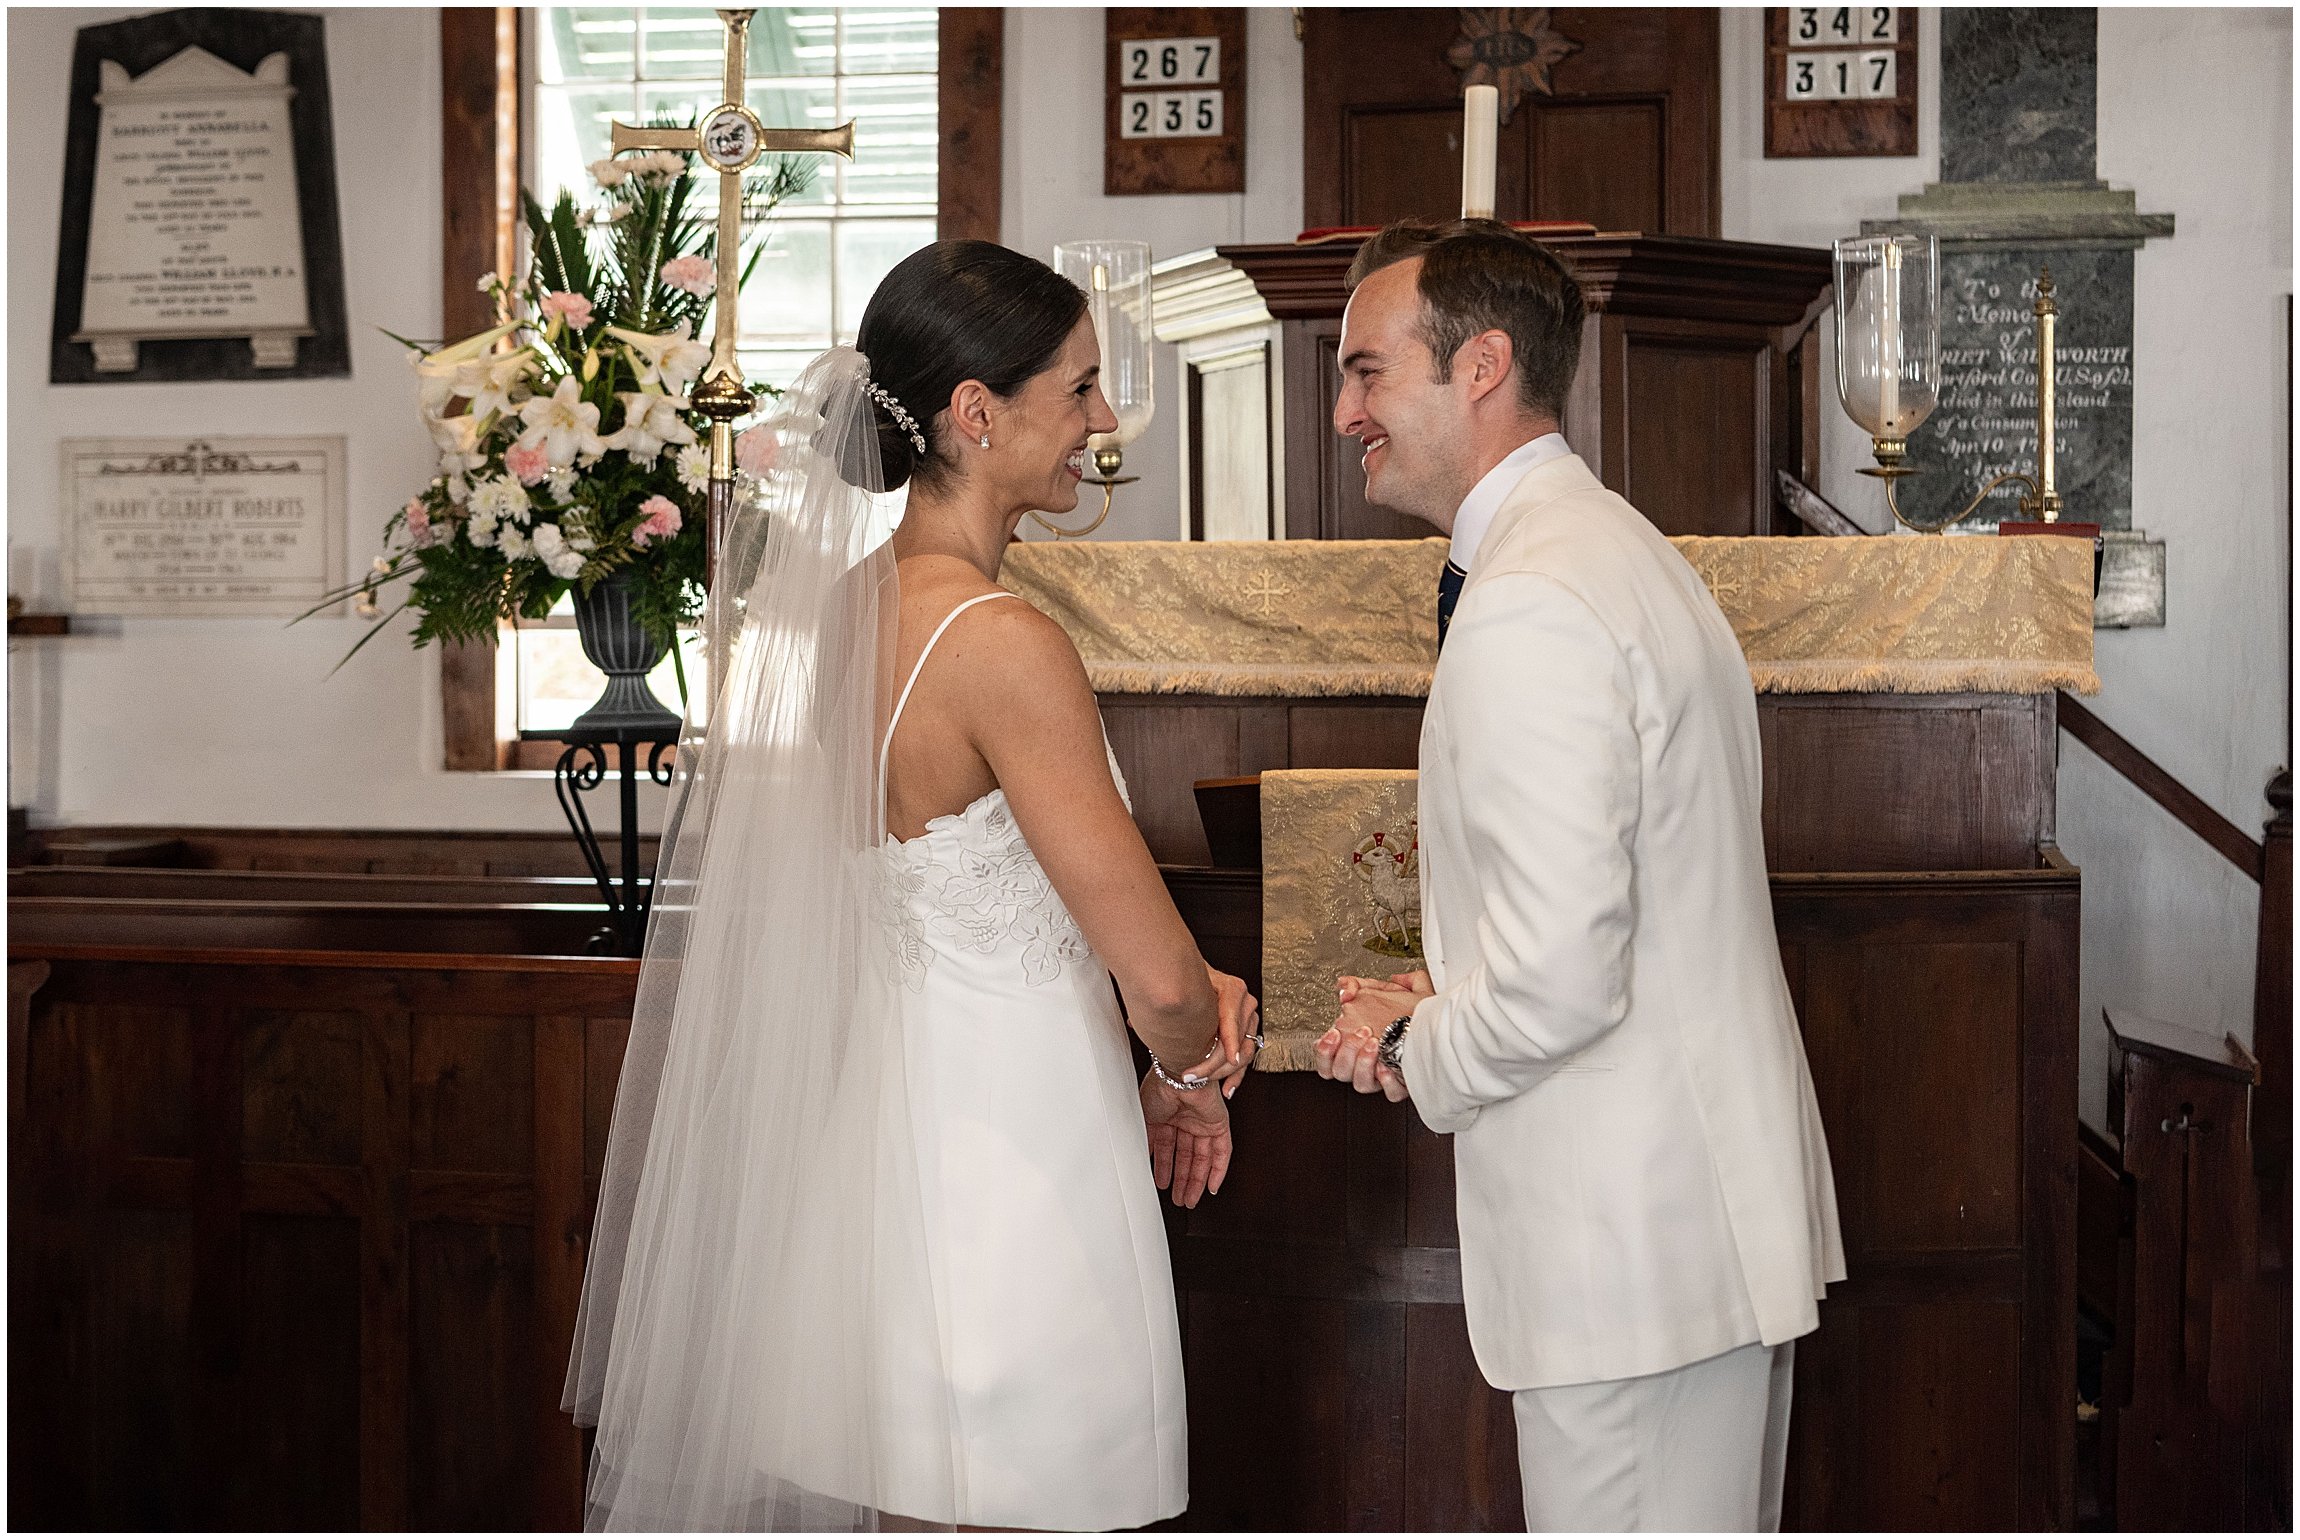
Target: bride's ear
[[970, 411]]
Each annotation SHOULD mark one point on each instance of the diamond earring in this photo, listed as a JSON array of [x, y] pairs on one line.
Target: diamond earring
[[985, 441]]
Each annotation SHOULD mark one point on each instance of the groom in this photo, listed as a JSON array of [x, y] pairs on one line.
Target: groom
[[1643, 1189]]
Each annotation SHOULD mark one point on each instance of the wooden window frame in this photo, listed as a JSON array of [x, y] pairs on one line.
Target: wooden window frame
[[481, 116]]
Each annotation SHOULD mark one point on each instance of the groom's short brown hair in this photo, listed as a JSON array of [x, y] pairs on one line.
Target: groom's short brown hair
[[1479, 275]]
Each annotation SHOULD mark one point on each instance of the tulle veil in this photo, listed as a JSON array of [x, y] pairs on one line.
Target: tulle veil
[[758, 1307]]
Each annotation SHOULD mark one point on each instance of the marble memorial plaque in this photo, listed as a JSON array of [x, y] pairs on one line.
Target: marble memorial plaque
[[1986, 424], [208, 527], [193, 229], [199, 238]]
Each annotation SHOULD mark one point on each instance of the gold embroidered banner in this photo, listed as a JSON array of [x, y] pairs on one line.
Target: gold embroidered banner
[[1928, 615], [1341, 893]]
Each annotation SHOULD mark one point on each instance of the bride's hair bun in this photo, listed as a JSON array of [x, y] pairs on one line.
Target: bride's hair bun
[[948, 313], [902, 443]]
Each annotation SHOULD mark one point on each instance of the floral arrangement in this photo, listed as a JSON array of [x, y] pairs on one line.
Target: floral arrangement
[[569, 449]]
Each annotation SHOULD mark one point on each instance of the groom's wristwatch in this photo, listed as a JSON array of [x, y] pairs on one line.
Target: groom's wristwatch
[[1393, 1039]]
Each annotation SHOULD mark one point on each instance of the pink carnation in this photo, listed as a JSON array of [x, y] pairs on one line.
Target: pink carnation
[[755, 450], [662, 521], [565, 302], [530, 464], [418, 521], [691, 275]]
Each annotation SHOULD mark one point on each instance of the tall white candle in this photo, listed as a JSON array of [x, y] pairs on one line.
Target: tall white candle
[[1889, 340], [1480, 129]]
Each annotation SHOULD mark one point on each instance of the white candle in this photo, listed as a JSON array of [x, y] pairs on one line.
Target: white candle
[[1889, 341], [1480, 129]]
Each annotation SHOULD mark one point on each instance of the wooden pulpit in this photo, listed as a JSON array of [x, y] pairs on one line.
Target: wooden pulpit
[[1699, 377]]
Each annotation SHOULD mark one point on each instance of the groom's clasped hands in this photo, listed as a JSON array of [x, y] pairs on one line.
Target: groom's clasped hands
[[1350, 1049]]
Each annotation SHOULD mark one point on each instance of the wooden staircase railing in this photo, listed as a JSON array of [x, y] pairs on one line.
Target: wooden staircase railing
[[2198, 1390]]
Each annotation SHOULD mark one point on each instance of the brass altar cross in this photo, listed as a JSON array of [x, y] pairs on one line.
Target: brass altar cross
[[729, 138]]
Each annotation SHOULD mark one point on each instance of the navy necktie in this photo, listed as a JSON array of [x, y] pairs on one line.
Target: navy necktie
[[1449, 594]]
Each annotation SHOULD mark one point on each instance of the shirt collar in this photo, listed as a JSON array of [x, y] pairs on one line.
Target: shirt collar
[[1485, 499]]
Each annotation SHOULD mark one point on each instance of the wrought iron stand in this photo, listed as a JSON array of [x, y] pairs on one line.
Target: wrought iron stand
[[582, 766]]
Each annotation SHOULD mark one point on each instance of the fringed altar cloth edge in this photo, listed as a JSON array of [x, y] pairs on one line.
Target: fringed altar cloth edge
[[1312, 618]]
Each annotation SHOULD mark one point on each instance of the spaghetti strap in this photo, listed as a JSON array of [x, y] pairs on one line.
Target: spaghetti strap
[[925, 652]]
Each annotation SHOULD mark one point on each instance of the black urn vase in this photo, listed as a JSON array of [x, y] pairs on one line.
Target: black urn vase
[[619, 647]]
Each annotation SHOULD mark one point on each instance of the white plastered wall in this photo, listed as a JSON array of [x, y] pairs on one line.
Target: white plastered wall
[[237, 722]]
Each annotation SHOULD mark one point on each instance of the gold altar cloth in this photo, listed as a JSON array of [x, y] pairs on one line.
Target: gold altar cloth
[[1341, 893], [1923, 616]]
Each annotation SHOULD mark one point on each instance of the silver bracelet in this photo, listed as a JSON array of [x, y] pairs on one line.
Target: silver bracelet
[[1188, 1082]]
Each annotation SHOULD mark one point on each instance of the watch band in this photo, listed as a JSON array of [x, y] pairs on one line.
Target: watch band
[[1393, 1039]]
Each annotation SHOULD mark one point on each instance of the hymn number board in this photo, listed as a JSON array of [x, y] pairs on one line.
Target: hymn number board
[[1840, 80], [1175, 115]]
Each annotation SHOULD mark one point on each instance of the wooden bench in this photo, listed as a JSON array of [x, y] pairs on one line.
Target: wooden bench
[[299, 1194]]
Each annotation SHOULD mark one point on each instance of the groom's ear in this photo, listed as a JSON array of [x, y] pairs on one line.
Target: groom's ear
[[1486, 361]]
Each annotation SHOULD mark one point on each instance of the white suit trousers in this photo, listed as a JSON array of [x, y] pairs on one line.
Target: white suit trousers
[[1703, 1447]]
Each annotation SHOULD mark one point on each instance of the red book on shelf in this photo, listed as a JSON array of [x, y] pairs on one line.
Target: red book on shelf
[[1539, 229], [2089, 532]]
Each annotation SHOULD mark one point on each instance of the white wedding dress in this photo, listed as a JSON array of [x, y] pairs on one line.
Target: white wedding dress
[[1062, 1350]]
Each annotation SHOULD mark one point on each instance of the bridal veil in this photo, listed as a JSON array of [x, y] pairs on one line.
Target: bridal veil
[[758, 1309]]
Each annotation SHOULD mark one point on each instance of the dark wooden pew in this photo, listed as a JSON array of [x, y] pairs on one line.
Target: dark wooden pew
[[299, 1193]]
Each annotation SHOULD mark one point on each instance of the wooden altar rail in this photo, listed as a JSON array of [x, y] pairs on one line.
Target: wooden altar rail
[[2189, 1215]]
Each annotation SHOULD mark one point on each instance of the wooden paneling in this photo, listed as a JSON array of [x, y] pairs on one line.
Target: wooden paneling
[[1693, 427], [1164, 743], [298, 1247], [1600, 162], [1939, 1018], [1907, 782], [1626, 139], [971, 62], [1852, 782]]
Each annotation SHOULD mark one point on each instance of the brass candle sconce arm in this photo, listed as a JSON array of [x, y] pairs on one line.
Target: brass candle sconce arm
[[1106, 464], [1890, 469]]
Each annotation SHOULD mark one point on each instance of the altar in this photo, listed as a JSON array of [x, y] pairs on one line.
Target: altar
[[1928, 927]]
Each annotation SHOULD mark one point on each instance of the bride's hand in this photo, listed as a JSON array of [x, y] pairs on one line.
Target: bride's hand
[[1189, 1139], [1240, 1029]]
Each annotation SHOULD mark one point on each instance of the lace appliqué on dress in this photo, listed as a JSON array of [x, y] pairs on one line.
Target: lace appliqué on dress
[[989, 891]]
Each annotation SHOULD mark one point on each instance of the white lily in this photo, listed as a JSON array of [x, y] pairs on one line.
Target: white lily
[[458, 442], [563, 423], [495, 382], [669, 359], [650, 422], [436, 371]]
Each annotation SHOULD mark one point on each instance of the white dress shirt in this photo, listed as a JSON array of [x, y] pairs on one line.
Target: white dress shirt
[[1485, 499]]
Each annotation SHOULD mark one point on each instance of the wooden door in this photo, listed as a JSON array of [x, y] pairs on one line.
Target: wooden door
[[1625, 137]]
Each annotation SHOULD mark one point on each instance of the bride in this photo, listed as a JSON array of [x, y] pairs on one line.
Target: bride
[[877, 1238]]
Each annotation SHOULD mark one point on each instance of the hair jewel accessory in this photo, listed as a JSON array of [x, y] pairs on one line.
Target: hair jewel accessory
[[894, 409]]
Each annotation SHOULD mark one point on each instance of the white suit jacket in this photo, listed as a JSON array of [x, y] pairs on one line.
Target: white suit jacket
[[1642, 1180]]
